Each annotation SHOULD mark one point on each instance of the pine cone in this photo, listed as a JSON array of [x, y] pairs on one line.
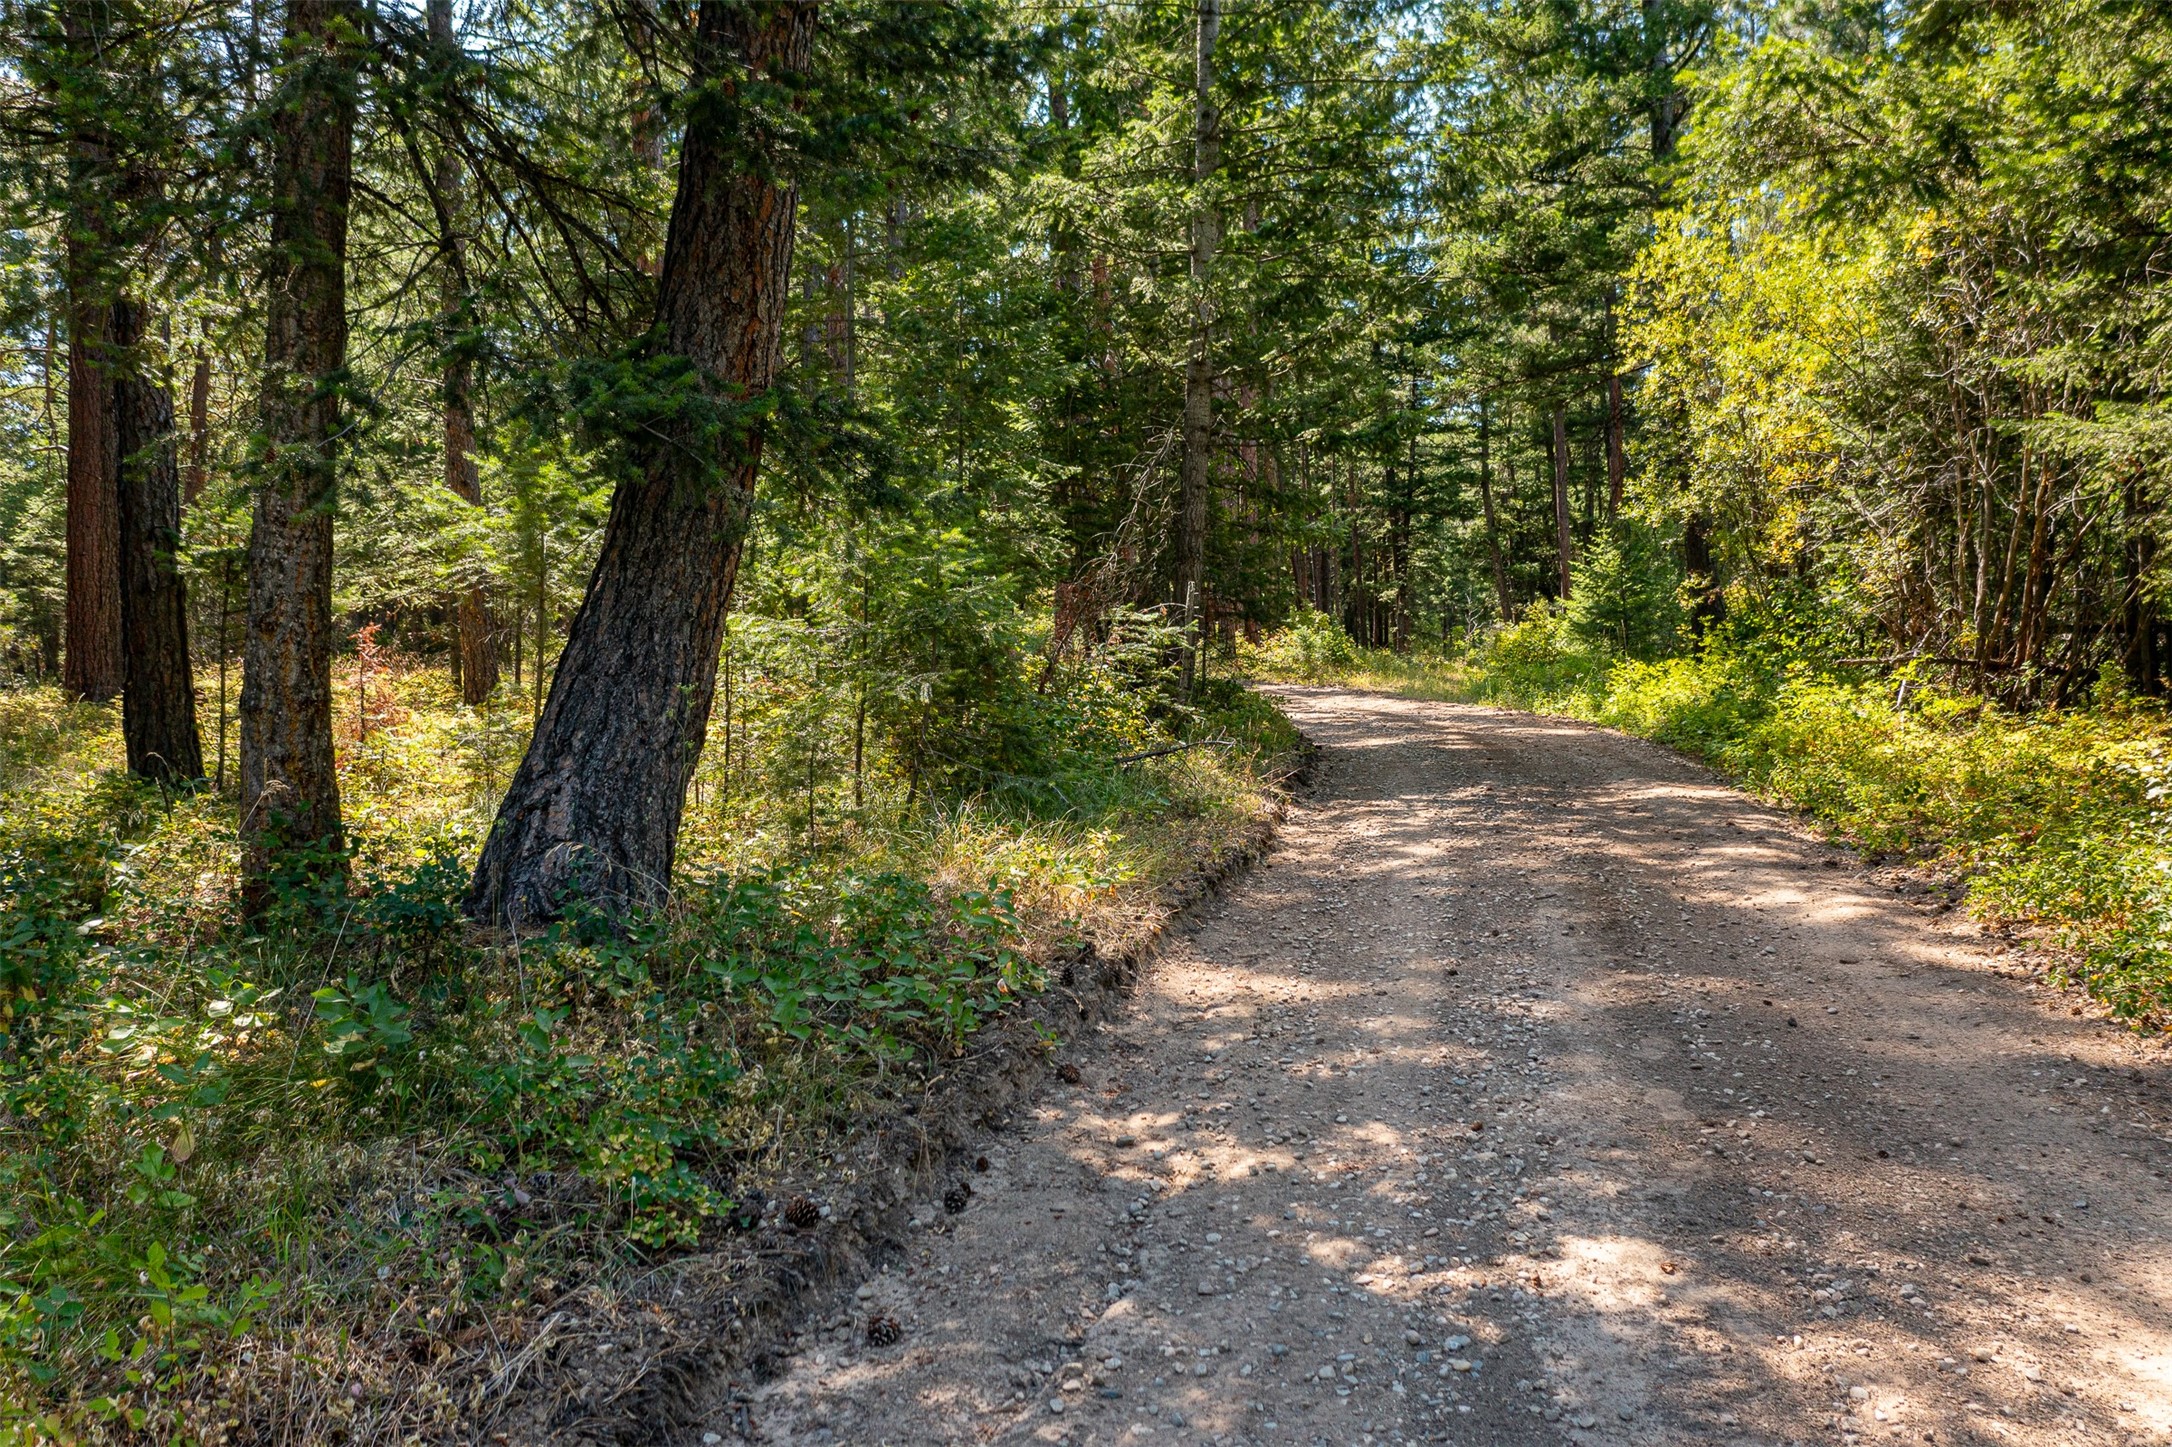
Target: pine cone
[[883, 1331], [802, 1213], [1070, 1073], [955, 1198]]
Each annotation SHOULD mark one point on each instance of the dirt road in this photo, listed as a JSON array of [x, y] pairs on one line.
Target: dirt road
[[1541, 1089]]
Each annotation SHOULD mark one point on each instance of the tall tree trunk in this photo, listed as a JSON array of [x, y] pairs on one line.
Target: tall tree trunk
[[1564, 545], [1493, 526], [158, 702], [475, 658], [1617, 465], [198, 472], [289, 787], [597, 800], [1399, 531], [2035, 585], [91, 661], [1195, 476]]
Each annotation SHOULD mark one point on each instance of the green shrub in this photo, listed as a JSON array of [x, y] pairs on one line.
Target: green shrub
[[1313, 648]]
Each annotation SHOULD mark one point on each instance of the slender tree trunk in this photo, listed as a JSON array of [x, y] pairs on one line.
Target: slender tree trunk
[[91, 662], [158, 702], [1399, 526], [1493, 526], [289, 787], [1617, 465], [198, 472], [226, 621], [2140, 562], [1196, 475], [597, 801], [476, 659], [1564, 546], [2035, 585]]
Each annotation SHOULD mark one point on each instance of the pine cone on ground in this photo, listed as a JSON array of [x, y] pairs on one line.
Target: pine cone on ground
[[802, 1213], [883, 1331], [955, 1198]]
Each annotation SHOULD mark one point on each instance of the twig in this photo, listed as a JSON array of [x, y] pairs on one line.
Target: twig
[[1175, 749]]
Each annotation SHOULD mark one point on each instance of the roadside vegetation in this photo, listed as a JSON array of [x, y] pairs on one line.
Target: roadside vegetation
[[244, 1164]]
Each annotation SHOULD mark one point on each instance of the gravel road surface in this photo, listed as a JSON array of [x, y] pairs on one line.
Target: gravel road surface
[[1541, 1089]]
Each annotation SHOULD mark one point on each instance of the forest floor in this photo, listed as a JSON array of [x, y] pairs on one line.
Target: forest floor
[[1541, 1088]]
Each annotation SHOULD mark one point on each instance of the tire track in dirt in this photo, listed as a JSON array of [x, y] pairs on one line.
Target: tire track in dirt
[[1540, 1089]]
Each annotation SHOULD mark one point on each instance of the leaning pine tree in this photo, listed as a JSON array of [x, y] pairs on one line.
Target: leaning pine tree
[[596, 803]]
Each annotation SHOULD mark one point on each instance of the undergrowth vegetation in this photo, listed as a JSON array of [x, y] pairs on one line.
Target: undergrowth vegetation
[[2057, 817], [228, 1150]]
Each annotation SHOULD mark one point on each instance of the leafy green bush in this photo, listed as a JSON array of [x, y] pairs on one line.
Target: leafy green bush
[[1313, 648], [1537, 657]]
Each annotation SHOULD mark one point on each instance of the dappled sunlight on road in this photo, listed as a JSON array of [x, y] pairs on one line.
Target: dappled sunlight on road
[[1542, 1090]]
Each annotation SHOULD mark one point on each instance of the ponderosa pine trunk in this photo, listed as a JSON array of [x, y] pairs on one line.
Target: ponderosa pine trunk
[[158, 699], [1195, 469], [596, 803], [289, 786], [91, 656]]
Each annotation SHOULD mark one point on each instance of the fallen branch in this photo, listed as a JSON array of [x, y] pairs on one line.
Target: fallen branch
[[1947, 660], [1174, 749]]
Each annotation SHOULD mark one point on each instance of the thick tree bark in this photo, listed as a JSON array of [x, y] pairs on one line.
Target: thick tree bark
[[289, 787], [1564, 545], [1195, 477], [596, 803], [475, 659], [91, 613], [158, 704], [91, 659]]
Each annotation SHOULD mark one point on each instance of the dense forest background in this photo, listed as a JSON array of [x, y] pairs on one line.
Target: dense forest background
[[1411, 314], [772, 501]]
